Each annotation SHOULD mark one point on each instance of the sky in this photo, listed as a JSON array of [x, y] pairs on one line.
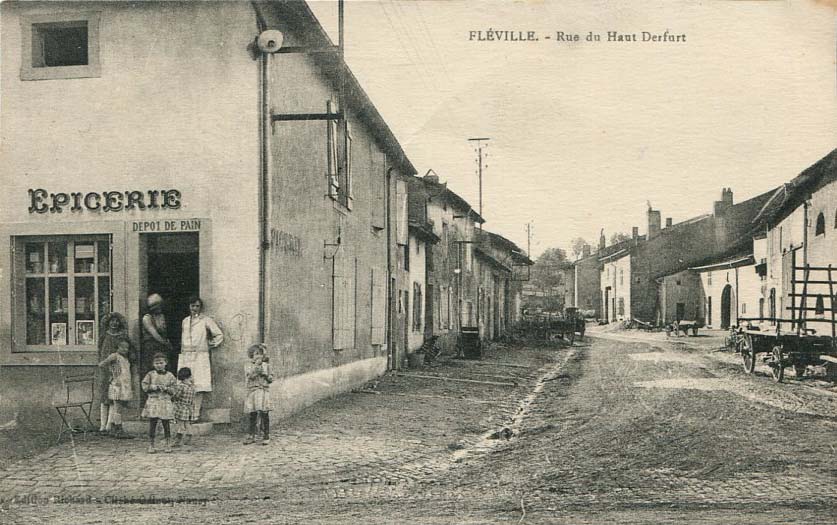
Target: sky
[[585, 134]]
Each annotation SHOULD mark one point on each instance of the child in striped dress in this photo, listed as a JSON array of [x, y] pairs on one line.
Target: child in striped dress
[[258, 378], [159, 384], [184, 406]]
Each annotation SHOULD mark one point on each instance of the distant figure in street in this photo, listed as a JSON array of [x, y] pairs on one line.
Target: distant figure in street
[[258, 378], [114, 329], [159, 384], [184, 403], [200, 334], [119, 389]]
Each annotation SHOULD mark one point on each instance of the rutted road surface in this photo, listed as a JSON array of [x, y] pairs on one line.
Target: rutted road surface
[[606, 431]]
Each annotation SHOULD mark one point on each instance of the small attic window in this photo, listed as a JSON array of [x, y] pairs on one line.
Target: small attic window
[[820, 228], [60, 46]]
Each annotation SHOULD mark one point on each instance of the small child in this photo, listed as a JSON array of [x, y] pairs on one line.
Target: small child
[[159, 384], [184, 406], [119, 389], [257, 404]]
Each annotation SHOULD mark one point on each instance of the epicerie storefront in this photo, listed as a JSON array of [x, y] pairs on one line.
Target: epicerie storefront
[[77, 257]]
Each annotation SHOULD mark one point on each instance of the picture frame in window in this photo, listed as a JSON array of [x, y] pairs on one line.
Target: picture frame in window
[[58, 334], [86, 332]]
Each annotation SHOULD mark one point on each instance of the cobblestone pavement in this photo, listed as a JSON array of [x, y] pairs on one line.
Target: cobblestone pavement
[[616, 430]]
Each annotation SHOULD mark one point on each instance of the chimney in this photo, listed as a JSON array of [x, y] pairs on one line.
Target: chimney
[[725, 203], [635, 233], [431, 176], [668, 222], [654, 220], [602, 241], [585, 251]]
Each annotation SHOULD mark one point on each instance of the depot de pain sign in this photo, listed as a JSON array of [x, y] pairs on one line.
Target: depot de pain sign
[[43, 201]]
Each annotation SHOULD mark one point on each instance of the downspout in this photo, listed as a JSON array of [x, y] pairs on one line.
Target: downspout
[[390, 291], [737, 297], [264, 176]]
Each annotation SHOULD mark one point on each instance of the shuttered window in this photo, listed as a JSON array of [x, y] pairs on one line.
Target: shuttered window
[[343, 304], [378, 307]]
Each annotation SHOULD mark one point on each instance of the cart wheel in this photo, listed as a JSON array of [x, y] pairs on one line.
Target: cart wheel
[[800, 370], [748, 353], [777, 368]]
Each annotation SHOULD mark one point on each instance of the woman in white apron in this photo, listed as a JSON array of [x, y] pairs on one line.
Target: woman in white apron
[[200, 334]]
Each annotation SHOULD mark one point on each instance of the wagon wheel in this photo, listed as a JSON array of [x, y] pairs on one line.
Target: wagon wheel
[[777, 367], [748, 353]]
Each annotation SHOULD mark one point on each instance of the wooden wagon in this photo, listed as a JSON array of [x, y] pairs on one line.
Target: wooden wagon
[[794, 342]]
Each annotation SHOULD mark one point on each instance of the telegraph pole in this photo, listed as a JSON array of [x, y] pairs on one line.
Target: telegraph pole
[[479, 141], [529, 240]]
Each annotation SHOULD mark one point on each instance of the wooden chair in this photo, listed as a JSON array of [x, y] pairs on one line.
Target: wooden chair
[[80, 391]]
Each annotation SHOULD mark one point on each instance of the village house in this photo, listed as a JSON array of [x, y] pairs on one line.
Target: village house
[[418, 253], [162, 147], [451, 285], [499, 262], [634, 281], [586, 284], [800, 221]]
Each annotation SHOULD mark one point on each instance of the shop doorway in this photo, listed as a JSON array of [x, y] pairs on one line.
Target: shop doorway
[[171, 268]]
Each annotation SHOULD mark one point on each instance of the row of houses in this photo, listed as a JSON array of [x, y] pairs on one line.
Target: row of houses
[[736, 262], [222, 149]]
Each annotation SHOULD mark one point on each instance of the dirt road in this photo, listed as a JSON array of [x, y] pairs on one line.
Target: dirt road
[[607, 431]]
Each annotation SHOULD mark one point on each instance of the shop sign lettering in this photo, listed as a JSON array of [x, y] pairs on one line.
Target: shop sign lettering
[[42, 201], [185, 225], [286, 242]]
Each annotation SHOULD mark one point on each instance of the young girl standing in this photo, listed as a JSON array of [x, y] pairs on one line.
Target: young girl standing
[[114, 329], [184, 406], [119, 389], [159, 384], [258, 378]]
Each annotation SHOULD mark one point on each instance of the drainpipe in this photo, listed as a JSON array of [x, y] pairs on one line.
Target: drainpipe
[[390, 303], [265, 126]]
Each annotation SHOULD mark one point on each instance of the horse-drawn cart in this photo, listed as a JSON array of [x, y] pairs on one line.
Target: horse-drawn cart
[[784, 342]]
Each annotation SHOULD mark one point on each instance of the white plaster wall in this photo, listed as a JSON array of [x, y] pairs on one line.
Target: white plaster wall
[[176, 106], [415, 338]]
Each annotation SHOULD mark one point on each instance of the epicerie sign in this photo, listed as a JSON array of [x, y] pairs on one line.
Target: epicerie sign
[[42, 201]]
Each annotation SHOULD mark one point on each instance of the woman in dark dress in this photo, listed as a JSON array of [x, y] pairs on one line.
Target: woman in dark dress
[[154, 334]]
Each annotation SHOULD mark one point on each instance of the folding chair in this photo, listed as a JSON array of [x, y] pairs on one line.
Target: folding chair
[[80, 391]]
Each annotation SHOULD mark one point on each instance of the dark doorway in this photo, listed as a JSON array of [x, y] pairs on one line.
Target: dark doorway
[[173, 271], [680, 314], [726, 307], [607, 305]]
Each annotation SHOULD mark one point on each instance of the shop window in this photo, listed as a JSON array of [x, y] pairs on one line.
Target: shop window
[[621, 306], [820, 227], [62, 290], [59, 46]]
